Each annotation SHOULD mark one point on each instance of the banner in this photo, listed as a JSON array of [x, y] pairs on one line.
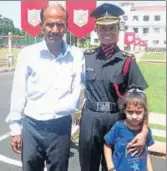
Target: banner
[[30, 16], [129, 38], [143, 43], [137, 41], [79, 21]]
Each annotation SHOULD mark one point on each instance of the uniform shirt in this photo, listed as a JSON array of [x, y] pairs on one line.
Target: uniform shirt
[[45, 87], [101, 73], [119, 136]]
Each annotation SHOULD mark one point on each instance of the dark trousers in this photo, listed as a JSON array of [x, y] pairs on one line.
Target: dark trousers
[[94, 125], [46, 141]]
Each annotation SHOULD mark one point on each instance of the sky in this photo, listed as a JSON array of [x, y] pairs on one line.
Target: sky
[[11, 9]]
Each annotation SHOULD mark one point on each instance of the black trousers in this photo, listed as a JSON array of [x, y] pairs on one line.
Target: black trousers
[[46, 141], [94, 125]]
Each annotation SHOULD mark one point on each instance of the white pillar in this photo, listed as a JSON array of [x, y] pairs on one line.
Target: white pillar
[[9, 44], [132, 48], [10, 58], [121, 35], [78, 42]]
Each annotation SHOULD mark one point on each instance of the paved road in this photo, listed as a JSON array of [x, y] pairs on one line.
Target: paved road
[[10, 161]]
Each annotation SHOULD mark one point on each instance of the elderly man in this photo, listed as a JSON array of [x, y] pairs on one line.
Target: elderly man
[[105, 83], [45, 93]]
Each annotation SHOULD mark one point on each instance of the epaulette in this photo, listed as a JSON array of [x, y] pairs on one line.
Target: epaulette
[[89, 51], [127, 54]]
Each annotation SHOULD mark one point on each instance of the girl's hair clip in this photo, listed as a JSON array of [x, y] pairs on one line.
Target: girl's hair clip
[[137, 90]]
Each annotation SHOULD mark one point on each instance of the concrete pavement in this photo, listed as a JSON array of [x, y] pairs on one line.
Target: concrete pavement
[[157, 118], [153, 61]]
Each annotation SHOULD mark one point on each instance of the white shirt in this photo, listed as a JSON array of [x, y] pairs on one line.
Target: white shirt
[[44, 86]]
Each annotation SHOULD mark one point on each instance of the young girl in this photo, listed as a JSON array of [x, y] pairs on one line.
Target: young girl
[[134, 106]]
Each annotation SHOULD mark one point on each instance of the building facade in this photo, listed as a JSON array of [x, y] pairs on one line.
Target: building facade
[[148, 22]]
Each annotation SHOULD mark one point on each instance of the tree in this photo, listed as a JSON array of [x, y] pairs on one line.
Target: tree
[[6, 26], [1, 21], [85, 41], [71, 39]]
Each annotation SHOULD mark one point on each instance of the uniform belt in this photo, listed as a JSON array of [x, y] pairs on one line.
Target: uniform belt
[[101, 106]]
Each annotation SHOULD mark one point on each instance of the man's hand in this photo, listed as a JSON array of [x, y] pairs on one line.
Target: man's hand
[[136, 146], [112, 169], [16, 143]]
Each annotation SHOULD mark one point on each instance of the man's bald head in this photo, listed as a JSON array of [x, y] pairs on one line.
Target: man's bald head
[[53, 23], [55, 8]]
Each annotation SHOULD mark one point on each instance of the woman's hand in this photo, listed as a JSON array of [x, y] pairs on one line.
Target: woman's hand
[[136, 146]]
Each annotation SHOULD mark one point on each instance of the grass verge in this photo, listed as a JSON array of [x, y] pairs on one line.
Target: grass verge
[[160, 139], [154, 56], [155, 75], [156, 126]]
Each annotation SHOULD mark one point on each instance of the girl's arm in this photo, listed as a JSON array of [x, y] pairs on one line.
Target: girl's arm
[[149, 163], [108, 157]]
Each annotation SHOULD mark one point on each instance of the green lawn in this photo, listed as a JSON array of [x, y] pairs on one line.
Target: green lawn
[[4, 52], [157, 126], [154, 56], [161, 139], [155, 75]]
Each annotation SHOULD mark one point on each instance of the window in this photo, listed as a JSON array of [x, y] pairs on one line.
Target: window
[[156, 30], [123, 5], [133, 8], [146, 41], [145, 30], [145, 18], [126, 27], [125, 17], [96, 40], [135, 18], [155, 42], [157, 17], [136, 30]]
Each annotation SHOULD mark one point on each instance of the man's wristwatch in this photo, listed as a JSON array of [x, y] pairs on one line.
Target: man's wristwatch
[[112, 169]]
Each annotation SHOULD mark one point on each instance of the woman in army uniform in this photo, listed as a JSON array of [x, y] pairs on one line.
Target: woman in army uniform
[[104, 70]]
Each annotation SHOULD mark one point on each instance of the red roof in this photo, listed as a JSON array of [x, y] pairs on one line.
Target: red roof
[[151, 8]]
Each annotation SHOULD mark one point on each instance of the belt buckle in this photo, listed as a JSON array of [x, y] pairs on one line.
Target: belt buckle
[[103, 106], [107, 106]]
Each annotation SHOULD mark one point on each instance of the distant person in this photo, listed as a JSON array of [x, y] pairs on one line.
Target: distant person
[[134, 107], [45, 94]]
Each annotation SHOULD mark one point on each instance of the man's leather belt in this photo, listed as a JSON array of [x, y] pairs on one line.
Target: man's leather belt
[[101, 106]]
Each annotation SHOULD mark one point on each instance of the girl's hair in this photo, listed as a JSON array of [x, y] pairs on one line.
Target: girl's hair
[[136, 97]]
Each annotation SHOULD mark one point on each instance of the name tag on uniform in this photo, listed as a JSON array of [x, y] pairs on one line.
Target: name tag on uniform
[[90, 69]]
